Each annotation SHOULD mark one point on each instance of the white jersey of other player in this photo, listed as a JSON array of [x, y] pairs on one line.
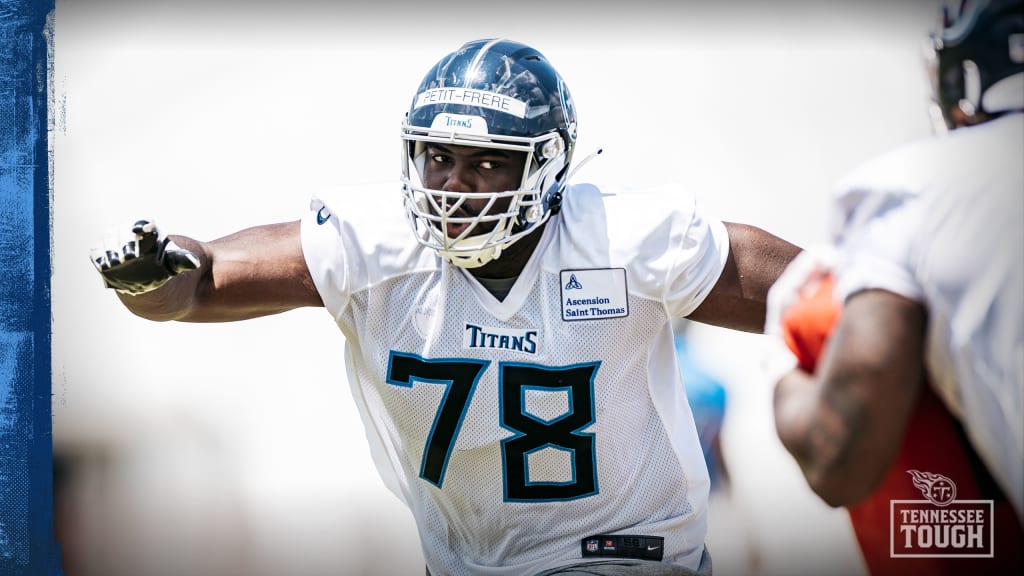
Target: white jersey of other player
[[958, 248], [514, 429]]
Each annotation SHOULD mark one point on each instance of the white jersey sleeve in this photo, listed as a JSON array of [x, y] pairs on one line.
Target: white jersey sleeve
[[879, 257], [354, 236], [872, 219], [672, 251]]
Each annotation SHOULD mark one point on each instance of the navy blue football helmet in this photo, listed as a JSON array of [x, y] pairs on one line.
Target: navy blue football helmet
[[976, 58], [490, 93]]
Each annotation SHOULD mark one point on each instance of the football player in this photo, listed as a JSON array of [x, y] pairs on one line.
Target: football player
[[508, 334], [909, 334]]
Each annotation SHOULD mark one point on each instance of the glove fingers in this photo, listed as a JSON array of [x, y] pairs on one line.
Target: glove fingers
[[138, 258], [117, 247], [128, 245], [147, 235], [144, 226], [129, 250], [108, 253], [98, 256]]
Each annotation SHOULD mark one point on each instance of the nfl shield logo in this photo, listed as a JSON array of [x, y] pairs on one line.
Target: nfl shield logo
[[591, 545]]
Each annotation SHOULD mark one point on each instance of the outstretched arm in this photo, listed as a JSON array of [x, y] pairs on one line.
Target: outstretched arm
[[845, 424], [756, 259], [255, 272]]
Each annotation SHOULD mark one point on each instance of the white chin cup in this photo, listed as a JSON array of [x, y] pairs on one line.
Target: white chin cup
[[474, 259]]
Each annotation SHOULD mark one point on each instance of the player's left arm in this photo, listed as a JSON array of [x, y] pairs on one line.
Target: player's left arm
[[738, 299], [844, 424]]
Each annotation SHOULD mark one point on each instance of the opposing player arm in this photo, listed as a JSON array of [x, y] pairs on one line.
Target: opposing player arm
[[845, 423], [756, 259], [255, 272]]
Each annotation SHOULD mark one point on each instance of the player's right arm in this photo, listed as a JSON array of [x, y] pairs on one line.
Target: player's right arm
[[844, 423], [254, 272]]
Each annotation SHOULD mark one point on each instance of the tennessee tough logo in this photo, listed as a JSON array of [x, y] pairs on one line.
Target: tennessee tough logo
[[940, 525]]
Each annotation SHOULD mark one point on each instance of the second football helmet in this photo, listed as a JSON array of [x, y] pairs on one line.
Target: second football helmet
[[976, 58], [490, 93]]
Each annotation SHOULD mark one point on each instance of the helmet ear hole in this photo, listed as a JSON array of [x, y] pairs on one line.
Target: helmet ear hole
[[551, 148]]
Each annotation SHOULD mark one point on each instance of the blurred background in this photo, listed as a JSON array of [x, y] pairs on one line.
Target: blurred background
[[235, 449]]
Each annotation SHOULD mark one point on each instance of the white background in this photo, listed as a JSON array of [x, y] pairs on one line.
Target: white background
[[235, 448]]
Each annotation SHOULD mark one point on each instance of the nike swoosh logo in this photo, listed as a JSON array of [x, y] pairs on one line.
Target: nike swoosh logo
[[650, 548], [322, 215]]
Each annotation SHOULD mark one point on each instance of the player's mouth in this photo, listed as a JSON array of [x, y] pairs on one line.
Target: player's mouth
[[453, 230], [457, 221]]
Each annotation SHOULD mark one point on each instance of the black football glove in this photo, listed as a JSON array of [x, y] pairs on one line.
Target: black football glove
[[142, 261]]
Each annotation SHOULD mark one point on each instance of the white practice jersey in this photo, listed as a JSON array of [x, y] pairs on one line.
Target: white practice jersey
[[513, 429], [947, 229]]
